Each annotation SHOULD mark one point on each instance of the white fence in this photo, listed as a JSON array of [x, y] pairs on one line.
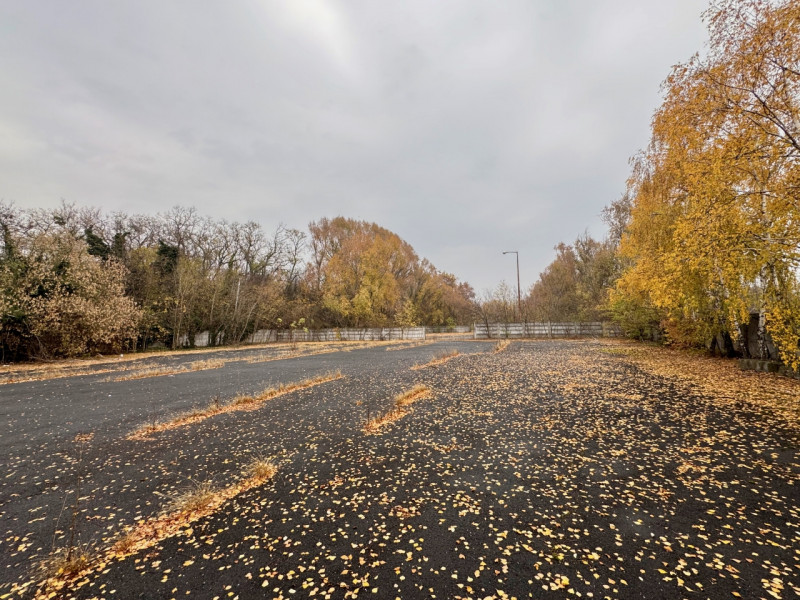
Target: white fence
[[546, 330], [446, 329], [335, 335], [200, 339], [263, 336]]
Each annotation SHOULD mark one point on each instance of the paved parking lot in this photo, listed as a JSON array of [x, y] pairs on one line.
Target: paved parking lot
[[552, 468]]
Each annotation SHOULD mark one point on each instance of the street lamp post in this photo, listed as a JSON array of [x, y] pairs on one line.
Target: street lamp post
[[519, 296]]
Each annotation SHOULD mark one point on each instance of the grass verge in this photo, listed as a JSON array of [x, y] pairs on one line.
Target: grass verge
[[402, 402], [241, 402]]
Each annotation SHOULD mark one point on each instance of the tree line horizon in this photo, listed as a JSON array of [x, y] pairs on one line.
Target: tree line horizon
[[75, 280]]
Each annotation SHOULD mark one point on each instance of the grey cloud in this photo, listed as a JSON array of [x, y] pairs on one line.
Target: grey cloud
[[466, 127]]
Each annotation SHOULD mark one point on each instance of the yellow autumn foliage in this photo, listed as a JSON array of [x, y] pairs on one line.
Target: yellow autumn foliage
[[715, 225]]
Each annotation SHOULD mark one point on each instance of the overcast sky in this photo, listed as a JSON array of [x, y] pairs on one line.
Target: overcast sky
[[467, 127]]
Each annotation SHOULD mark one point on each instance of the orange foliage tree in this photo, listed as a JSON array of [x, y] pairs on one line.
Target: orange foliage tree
[[362, 275]]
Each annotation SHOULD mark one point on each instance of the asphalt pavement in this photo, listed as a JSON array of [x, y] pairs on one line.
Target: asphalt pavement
[[550, 469]]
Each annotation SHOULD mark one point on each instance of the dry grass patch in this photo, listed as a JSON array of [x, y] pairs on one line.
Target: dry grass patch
[[196, 498], [126, 543], [20, 373], [280, 390], [73, 367], [405, 346], [202, 365], [67, 563], [200, 500], [240, 402], [501, 345], [289, 352], [314, 348], [159, 371], [399, 410], [148, 372], [48, 374], [418, 392], [195, 503], [261, 469], [616, 351], [439, 359]]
